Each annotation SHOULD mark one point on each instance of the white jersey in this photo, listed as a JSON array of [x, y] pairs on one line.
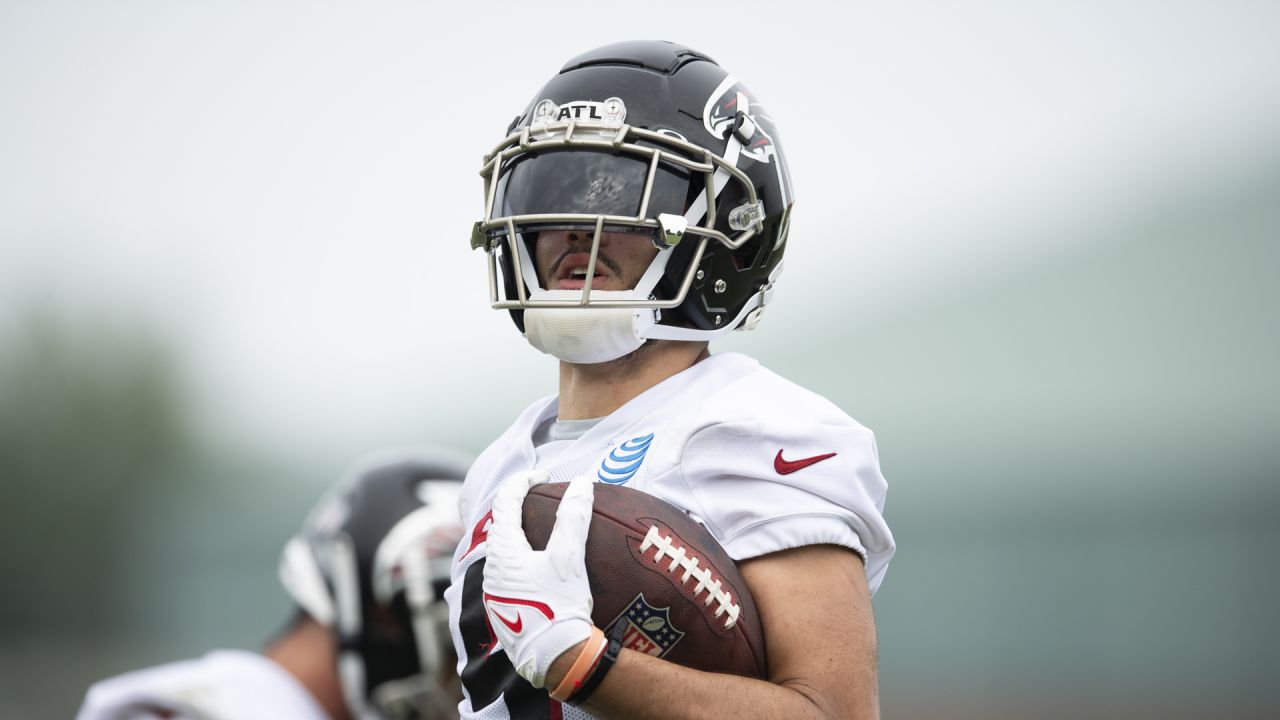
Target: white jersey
[[762, 463], [223, 685]]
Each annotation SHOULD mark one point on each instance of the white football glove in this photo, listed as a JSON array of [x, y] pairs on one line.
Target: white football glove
[[539, 603]]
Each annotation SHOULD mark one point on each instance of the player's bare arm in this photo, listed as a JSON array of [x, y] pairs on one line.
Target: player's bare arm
[[820, 636], [309, 653]]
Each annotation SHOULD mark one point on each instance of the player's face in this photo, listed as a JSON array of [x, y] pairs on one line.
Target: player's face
[[561, 257]]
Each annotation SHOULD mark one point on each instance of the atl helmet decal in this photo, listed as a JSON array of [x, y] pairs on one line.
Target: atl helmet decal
[[623, 461], [648, 629], [611, 112]]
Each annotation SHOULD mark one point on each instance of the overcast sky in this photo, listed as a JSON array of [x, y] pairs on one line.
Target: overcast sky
[[286, 189]]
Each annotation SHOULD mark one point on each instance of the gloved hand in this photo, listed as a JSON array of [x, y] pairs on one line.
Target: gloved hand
[[539, 603]]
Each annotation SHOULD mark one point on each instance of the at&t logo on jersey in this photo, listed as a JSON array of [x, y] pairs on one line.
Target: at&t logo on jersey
[[624, 461], [648, 629]]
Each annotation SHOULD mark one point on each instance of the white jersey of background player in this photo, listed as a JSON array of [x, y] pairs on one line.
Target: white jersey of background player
[[682, 246], [362, 644]]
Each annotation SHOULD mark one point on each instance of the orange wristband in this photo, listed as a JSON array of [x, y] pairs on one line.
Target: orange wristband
[[581, 667]]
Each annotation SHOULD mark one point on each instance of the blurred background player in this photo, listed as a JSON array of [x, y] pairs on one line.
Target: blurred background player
[[368, 640]]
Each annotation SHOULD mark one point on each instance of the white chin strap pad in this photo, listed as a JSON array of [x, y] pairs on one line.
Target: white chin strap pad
[[583, 336]]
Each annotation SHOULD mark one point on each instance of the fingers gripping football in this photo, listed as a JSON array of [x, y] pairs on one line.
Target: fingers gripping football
[[538, 602]]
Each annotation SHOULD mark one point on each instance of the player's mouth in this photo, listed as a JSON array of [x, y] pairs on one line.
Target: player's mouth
[[571, 272]]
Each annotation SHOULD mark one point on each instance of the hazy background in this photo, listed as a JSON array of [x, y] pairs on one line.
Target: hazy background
[[1036, 249]]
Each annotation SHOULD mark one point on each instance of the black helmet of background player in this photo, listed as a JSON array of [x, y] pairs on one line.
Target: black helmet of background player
[[372, 564], [639, 137]]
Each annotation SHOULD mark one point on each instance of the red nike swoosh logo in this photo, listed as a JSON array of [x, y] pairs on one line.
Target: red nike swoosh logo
[[786, 467], [516, 626]]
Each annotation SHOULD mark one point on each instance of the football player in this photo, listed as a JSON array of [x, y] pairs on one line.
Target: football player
[[637, 209], [368, 638]]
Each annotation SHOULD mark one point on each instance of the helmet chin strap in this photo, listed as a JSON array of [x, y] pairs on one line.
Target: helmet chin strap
[[585, 336]]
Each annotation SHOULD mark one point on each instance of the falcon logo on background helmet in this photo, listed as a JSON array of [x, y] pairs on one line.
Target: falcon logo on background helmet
[[372, 564], [688, 157]]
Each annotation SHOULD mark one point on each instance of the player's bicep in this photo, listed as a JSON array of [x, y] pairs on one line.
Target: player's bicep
[[819, 630]]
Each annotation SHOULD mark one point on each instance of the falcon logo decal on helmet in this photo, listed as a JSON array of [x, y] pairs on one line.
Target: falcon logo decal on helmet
[[731, 108]]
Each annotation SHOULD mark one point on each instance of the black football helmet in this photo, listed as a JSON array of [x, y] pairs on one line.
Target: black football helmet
[[651, 138], [372, 564]]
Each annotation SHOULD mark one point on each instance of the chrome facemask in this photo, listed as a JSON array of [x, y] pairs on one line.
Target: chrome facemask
[[609, 157]]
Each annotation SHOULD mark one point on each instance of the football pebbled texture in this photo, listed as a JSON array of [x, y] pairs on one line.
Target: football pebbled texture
[[655, 570]]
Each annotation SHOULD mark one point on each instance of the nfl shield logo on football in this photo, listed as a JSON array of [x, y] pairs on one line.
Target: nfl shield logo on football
[[646, 629]]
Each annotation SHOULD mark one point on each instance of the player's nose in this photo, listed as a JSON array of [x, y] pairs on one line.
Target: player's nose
[[573, 240]]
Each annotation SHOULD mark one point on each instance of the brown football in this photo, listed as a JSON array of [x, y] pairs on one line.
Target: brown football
[[657, 571]]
